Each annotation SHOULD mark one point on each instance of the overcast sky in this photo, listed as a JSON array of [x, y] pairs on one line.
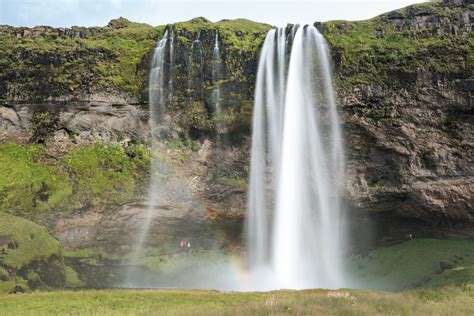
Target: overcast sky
[[158, 12]]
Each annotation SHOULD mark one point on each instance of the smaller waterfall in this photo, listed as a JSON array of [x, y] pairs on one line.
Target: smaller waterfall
[[171, 72], [216, 73], [157, 102], [156, 89]]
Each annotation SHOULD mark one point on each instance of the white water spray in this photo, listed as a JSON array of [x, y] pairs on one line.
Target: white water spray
[[216, 73], [294, 222], [156, 89]]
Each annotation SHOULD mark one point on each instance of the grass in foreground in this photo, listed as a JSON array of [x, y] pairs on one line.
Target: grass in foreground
[[445, 301]]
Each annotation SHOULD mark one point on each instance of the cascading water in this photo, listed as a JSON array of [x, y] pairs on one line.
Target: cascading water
[[216, 73], [294, 222], [171, 75], [157, 101], [156, 88], [294, 214]]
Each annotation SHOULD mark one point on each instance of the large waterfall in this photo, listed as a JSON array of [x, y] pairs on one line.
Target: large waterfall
[[294, 221]]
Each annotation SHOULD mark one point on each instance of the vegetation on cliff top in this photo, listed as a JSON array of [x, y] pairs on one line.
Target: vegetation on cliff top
[[95, 59], [54, 65], [393, 47], [388, 48]]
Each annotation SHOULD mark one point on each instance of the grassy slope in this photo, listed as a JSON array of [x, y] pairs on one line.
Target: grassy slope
[[424, 262], [454, 301]]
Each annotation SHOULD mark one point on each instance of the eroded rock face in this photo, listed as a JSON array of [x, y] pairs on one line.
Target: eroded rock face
[[450, 17], [178, 214], [79, 123], [415, 159]]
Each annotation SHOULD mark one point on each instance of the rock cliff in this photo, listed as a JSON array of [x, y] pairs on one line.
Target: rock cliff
[[404, 81]]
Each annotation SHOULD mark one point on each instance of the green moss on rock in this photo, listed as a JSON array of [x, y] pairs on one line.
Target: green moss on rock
[[29, 242], [388, 52], [29, 183], [72, 278], [97, 175], [54, 64], [32, 254]]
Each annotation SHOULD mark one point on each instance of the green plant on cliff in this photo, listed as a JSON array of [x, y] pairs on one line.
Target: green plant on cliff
[[34, 182], [57, 65], [107, 175], [376, 50], [101, 175], [44, 124], [29, 183], [240, 34], [240, 184]]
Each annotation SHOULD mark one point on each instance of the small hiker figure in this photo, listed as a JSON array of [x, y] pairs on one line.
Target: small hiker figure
[[408, 237], [182, 244]]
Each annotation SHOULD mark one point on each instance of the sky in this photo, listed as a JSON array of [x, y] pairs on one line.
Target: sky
[[66, 13]]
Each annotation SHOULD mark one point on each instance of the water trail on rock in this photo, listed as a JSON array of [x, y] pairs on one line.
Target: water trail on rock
[[216, 73], [294, 223]]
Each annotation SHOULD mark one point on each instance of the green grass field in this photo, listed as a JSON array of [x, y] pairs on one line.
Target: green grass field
[[445, 301], [415, 263]]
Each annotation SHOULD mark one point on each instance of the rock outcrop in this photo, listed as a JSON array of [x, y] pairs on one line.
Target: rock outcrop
[[409, 124]]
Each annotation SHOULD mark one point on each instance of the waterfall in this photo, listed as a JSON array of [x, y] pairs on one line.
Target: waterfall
[[195, 68], [156, 89], [157, 102], [216, 73], [294, 221], [171, 74]]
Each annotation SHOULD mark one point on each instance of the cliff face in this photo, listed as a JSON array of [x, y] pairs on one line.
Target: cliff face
[[404, 82]]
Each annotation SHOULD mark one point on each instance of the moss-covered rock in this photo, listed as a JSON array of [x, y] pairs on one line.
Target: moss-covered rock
[[392, 48], [58, 62], [29, 254], [35, 182]]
